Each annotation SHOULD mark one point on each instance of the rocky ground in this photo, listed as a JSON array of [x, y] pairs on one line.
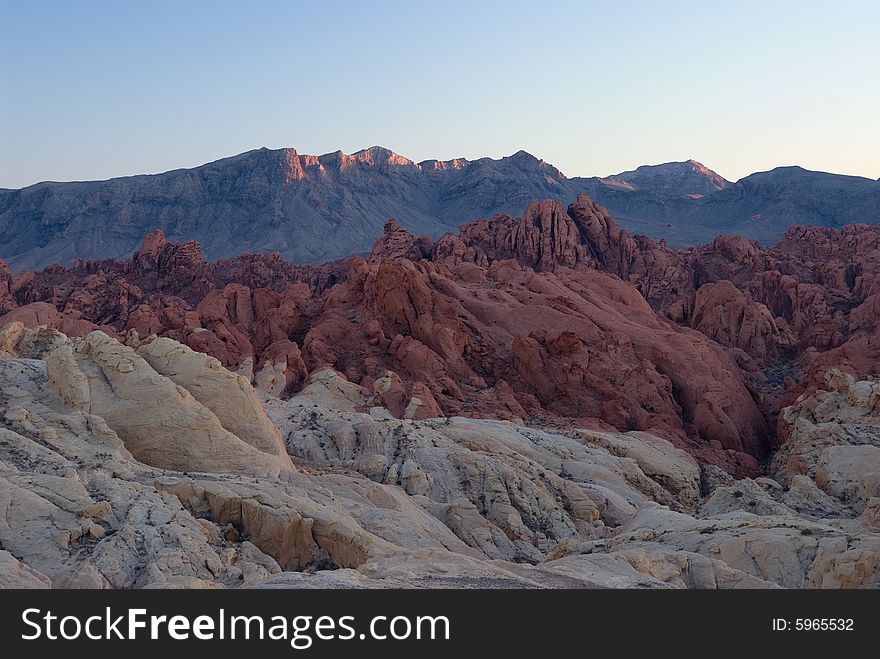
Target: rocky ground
[[152, 465]]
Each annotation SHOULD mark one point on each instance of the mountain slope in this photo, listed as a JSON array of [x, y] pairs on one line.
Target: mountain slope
[[688, 178], [317, 208], [763, 205]]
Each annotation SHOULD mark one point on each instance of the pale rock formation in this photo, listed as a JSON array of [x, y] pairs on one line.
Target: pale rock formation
[[655, 568], [786, 550], [271, 378], [672, 468], [229, 396], [871, 516], [850, 473], [14, 574], [745, 495], [10, 335], [833, 437], [18, 341], [161, 422]]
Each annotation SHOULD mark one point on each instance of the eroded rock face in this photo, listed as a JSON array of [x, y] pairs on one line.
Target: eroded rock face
[[446, 353], [505, 340], [7, 303], [13, 574], [536, 401], [379, 501]]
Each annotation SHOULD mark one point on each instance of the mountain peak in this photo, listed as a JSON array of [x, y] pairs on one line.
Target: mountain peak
[[701, 169], [686, 178], [379, 155], [525, 161], [314, 208], [444, 165], [524, 156]]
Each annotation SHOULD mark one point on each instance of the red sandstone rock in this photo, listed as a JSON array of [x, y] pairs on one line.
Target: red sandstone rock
[[389, 391], [421, 404], [732, 318], [398, 243], [41, 313]]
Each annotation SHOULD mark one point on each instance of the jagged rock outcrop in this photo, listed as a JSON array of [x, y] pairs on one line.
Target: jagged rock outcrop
[[672, 468], [833, 437], [544, 238], [462, 332], [547, 237], [398, 243], [6, 301], [13, 574]]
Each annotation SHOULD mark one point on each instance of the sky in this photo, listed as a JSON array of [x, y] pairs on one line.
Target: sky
[[95, 89]]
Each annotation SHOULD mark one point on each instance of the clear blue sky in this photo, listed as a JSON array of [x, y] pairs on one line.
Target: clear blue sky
[[98, 89]]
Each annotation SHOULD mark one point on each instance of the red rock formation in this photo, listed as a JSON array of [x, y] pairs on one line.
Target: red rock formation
[[582, 343], [548, 237], [43, 313], [398, 243], [586, 236], [733, 318], [558, 317]]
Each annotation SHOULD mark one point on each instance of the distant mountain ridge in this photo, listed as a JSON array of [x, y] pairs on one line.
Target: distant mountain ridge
[[689, 178], [317, 208]]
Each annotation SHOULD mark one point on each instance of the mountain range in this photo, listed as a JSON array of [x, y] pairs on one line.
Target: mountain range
[[317, 208]]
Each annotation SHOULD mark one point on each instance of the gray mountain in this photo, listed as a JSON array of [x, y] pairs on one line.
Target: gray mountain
[[309, 208], [316, 208]]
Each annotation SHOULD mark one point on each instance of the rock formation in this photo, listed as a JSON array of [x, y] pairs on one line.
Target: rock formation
[[378, 501], [161, 422], [555, 318]]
